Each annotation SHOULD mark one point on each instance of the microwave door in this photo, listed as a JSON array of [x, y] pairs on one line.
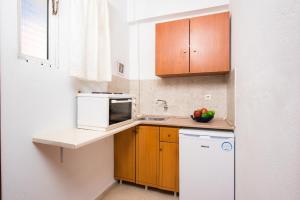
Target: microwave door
[[119, 110]]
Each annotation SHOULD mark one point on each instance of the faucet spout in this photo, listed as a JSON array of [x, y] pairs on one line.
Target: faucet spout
[[164, 102]]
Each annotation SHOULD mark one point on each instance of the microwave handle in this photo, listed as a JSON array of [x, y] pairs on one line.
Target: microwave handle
[[121, 101]]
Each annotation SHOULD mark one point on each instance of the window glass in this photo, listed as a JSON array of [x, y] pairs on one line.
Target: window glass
[[34, 28]]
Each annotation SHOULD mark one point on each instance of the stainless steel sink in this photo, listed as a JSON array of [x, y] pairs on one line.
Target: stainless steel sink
[[153, 118]]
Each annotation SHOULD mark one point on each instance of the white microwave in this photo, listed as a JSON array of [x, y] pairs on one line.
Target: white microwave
[[103, 111]]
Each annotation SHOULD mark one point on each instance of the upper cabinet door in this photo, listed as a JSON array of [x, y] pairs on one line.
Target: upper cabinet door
[[210, 44], [172, 48]]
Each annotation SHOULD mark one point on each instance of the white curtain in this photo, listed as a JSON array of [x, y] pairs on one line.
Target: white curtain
[[85, 39]]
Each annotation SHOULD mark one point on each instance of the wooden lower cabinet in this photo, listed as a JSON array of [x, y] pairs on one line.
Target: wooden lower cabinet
[[168, 166], [148, 157], [169, 134], [124, 155]]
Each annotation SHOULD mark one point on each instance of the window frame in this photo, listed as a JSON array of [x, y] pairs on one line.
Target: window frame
[[52, 39]]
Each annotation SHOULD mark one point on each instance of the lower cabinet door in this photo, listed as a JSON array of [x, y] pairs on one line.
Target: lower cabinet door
[[168, 166], [147, 155], [124, 155]]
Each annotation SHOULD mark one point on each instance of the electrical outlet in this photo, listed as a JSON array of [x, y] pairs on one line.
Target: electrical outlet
[[207, 97], [121, 67]]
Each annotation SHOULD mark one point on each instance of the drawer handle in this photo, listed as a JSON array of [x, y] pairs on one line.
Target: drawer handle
[[169, 135]]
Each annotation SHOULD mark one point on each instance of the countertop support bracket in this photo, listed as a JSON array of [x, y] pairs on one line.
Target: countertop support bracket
[[61, 154]]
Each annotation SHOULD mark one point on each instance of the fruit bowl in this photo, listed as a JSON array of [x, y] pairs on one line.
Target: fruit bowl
[[203, 115], [201, 119]]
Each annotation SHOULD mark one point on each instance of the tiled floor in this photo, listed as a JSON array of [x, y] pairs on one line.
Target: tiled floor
[[133, 192]]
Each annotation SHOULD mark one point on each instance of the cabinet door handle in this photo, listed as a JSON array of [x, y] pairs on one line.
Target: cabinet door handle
[[184, 51], [160, 149]]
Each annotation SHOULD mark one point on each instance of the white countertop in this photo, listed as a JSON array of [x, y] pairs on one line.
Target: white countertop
[[76, 138]]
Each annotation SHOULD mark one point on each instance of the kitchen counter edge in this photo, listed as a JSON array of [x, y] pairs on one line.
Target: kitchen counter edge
[[77, 138]]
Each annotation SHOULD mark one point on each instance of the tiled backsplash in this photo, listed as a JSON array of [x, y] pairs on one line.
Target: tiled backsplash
[[89, 86], [118, 84], [183, 94]]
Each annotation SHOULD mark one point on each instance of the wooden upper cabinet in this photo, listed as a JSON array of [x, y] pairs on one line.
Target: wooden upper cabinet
[[195, 46], [124, 155], [209, 43], [172, 47]]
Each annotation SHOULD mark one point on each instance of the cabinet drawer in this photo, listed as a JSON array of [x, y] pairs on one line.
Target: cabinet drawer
[[168, 134]]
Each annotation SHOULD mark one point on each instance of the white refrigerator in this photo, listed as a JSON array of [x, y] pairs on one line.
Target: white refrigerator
[[206, 164]]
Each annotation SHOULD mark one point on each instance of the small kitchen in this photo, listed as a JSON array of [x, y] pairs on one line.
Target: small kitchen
[[165, 127], [131, 100]]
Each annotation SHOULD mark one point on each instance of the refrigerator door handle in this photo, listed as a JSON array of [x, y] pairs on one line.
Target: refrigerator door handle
[[220, 137], [190, 135], [196, 136]]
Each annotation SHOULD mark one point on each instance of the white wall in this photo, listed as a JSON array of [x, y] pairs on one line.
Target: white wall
[[265, 54], [119, 35], [142, 51], [143, 9], [34, 100]]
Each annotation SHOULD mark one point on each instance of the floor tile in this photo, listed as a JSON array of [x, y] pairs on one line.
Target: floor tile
[[133, 192]]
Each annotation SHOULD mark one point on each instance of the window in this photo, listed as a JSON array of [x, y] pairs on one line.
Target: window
[[38, 31]]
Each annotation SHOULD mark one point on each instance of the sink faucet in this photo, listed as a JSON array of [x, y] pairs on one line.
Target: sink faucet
[[164, 102]]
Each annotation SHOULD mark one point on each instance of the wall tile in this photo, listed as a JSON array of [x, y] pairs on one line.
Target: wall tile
[[183, 94]]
